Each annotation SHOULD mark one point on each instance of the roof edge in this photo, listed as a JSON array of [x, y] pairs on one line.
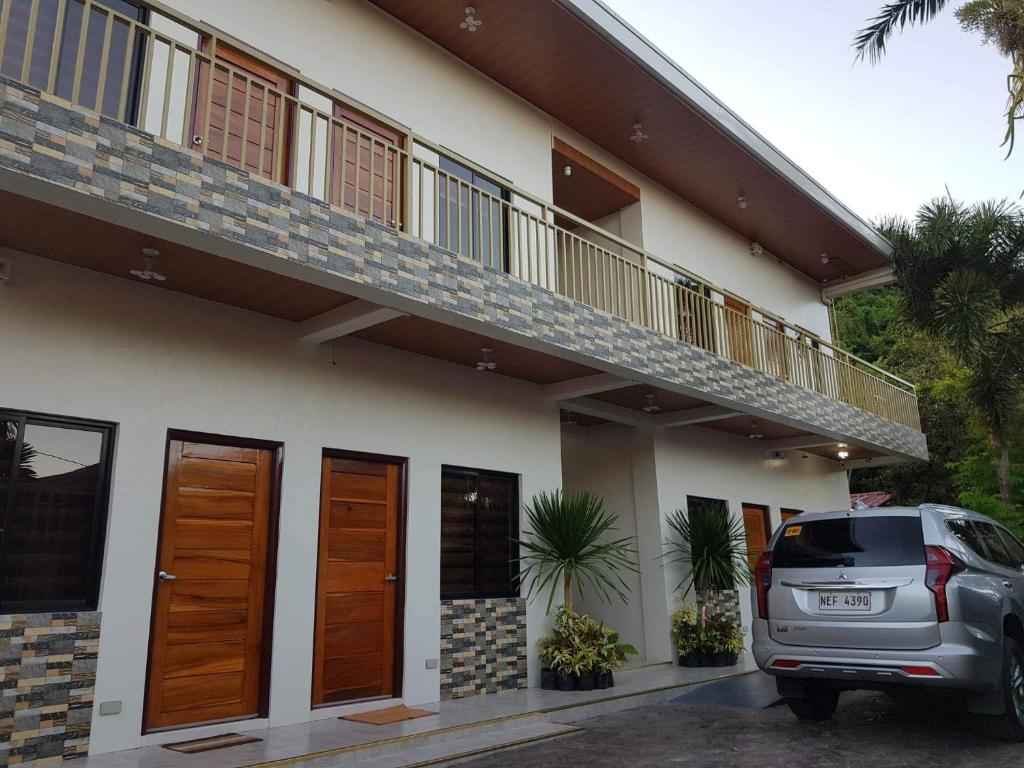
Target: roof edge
[[617, 31]]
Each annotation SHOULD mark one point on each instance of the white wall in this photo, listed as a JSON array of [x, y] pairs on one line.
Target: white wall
[[647, 474], [593, 459], [83, 344], [363, 52], [692, 461]]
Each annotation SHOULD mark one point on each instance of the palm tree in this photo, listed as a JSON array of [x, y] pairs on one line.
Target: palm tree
[[999, 22], [712, 547], [961, 269], [569, 542]]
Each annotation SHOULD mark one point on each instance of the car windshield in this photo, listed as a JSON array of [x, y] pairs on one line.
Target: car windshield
[[850, 542]]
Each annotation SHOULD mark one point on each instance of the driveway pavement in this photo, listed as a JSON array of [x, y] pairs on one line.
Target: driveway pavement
[[740, 722]]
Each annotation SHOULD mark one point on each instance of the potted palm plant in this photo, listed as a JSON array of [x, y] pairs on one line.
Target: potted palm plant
[[571, 545], [711, 547]]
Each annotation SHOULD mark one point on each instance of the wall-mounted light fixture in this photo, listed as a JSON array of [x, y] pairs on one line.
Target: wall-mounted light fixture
[[567, 170], [756, 250]]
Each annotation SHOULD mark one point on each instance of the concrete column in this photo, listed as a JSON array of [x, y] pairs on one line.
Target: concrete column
[[650, 535]]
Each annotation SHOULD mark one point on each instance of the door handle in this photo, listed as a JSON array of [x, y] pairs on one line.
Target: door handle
[[165, 576], [1007, 584], [391, 577]]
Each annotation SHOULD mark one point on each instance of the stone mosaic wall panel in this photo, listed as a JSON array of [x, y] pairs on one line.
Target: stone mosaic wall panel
[[483, 646], [47, 676], [120, 167], [726, 604]]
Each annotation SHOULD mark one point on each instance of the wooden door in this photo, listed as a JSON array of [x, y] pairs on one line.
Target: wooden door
[[365, 166], [738, 330], [241, 114], [354, 643], [206, 649], [757, 527], [790, 513], [775, 347]]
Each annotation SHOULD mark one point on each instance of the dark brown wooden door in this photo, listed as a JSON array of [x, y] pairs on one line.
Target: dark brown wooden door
[[354, 643], [757, 527], [365, 166], [241, 116], [788, 514], [207, 636]]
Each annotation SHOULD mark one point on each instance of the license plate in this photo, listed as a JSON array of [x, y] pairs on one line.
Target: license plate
[[844, 602]]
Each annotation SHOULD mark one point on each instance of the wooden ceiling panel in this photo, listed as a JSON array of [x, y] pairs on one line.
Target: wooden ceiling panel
[[62, 235], [636, 398], [755, 429], [539, 50], [427, 337]]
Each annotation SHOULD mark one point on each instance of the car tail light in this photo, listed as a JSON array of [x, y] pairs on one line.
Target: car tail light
[[763, 582], [920, 671], [786, 663], [940, 565]]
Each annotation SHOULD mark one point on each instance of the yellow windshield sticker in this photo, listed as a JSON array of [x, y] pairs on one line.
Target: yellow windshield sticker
[[794, 530]]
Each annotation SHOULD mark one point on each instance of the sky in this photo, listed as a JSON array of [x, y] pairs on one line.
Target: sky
[[883, 138]]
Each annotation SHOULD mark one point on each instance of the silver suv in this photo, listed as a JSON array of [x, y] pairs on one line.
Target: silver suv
[[931, 596]]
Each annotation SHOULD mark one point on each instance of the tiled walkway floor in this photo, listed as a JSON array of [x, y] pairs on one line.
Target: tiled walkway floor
[[455, 717]]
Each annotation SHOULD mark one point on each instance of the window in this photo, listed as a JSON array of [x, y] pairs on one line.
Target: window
[[67, 29], [968, 534], [994, 544], [473, 220], [1013, 547], [54, 482], [850, 542], [479, 521]]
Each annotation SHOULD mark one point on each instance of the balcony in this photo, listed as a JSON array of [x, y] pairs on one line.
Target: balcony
[[181, 81]]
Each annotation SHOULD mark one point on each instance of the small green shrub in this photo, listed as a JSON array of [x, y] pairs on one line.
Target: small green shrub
[[579, 645]]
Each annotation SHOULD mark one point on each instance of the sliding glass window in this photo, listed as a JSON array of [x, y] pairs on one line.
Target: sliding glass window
[[473, 218]]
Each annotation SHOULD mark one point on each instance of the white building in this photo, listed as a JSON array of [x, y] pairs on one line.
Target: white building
[[268, 416]]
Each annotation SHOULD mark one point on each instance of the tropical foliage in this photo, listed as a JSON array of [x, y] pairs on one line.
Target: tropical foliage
[[999, 22], [579, 645], [953, 325], [571, 541], [694, 635], [711, 547]]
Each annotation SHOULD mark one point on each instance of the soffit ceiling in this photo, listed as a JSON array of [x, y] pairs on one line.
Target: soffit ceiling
[[543, 52]]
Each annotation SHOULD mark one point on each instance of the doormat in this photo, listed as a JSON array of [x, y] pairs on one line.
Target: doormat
[[387, 715], [214, 742]]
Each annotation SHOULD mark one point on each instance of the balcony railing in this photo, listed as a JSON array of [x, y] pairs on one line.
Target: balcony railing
[[180, 80]]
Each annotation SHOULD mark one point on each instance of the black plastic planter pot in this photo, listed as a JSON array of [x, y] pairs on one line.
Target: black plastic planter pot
[[690, 660], [725, 659], [706, 659], [566, 682], [548, 680], [585, 682]]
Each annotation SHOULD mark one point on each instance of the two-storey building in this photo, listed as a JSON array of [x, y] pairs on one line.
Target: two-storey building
[[301, 302]]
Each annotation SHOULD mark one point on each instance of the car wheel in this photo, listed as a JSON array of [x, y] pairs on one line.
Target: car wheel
[[1010, 724], [818, 703]]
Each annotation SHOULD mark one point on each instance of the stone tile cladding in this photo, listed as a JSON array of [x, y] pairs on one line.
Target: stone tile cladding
[[43, 137], [725, 603], [47, 675], [483, 646]]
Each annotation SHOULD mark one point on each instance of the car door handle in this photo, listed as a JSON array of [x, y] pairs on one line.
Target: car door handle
[[1007, 584], [165, 576]]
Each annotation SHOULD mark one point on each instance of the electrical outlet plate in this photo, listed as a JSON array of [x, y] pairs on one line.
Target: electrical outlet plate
[[110, 707], [431, 663]]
